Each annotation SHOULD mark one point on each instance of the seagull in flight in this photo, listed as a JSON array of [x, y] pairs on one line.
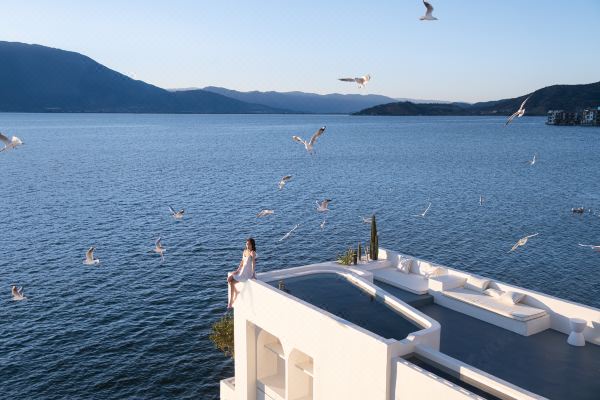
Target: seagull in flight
[[429, 13], [533, 160], [361, 80], [323, 224], [308, 145], [323, 206], [89, 257], [177, 214], [519, 113], [264, 213], [522, 242], [283, 181], [591, 246], [287, 235], [17, 293], [481, 200], [366, 220], [424, 212], [11, 143], [158, 248]]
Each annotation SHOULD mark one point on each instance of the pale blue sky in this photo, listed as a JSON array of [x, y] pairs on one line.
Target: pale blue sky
[[478, 50]]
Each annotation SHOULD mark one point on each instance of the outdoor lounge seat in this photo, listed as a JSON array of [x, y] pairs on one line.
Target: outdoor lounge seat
[[519, 318], [410, 274], [519, 311]]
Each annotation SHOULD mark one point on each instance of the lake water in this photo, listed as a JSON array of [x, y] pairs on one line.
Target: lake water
[[134, 327]]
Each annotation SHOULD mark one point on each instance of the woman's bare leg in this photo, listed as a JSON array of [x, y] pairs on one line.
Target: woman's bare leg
[[230, 291]]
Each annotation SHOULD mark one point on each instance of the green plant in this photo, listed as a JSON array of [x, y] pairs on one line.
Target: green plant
[[374, 242], [222, 335], [346, 257]]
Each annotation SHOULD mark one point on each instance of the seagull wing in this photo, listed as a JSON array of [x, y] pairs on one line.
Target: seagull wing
[[20, 291], [158, 244], [316, 135], [587, 245], [511, 118], [530, 236], [89, 255], [347, 79], [172, 211], [523, 103], [4, 139], [286, 178], [298, 139], [515, 245], [429, 8]]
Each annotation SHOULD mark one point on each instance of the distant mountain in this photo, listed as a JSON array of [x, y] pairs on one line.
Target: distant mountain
[[36, 78], [310, 103], [564, 97]]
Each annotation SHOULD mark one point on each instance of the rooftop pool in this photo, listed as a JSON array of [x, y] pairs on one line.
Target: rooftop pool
[[339, 296]]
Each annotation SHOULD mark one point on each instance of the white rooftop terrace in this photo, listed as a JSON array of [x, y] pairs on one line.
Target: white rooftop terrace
[[449, 340]]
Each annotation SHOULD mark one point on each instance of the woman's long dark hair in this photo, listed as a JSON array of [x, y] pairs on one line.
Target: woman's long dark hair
[[252, 244]]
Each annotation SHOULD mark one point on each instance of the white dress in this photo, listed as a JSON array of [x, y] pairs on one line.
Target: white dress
[[245, 271]]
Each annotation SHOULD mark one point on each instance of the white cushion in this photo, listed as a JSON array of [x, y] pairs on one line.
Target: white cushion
[[477, 284], [493, 292], [426, 269], [512, 297], [412, 282], [404, 265]]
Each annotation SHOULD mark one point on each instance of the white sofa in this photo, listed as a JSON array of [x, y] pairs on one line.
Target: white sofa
[[409, 274], [473, 300]]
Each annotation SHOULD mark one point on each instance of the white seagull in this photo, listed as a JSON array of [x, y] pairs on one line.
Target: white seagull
[[519, 113], [522, 242], [287, 235], [481, 200], [591, 246], [323, 224], [177, 214], [533, 160], [429, 13], [11, 143], [17, 293], [323, 206], [283, 181], [159, 249], [367, 220], [424, 212], [264, 213], [89, 257], [361, 80], [308, 145]]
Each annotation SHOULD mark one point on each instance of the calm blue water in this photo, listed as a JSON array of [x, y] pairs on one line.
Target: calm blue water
[[135, 328]]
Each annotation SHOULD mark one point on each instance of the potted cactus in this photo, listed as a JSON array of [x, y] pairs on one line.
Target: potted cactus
[[374, 242]]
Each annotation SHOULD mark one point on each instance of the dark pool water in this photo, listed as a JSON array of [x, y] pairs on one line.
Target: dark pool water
[[342, 298]]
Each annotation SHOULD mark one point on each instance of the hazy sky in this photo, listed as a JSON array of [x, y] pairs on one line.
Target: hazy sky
[[478, 50]]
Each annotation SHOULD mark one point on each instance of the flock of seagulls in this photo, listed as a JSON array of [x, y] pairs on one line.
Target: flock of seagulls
[[323, 206]]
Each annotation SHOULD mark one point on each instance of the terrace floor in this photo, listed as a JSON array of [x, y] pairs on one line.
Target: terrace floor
[[542, 363]]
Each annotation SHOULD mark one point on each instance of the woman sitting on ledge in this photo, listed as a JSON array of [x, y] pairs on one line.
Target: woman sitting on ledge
[[246, 270]]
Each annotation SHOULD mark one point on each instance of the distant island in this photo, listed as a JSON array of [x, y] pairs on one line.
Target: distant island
[[568, 97], [36, 78]]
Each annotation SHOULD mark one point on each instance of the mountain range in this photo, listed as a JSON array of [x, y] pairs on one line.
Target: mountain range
[[36, 78], [310, 103], [556, 97]]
